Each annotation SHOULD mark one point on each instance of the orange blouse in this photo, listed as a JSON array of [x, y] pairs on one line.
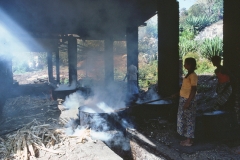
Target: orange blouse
[[222, 78]]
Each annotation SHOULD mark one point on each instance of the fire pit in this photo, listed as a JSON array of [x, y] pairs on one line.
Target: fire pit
[[103, 120], [167, 110], [62, 93]]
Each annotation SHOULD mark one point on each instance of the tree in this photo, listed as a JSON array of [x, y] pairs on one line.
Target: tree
[[148, 40]]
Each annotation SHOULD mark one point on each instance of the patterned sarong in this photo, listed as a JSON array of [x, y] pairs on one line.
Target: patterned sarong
[[186, 119], [224, 91]]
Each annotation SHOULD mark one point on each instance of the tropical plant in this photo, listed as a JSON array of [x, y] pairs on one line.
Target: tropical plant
[[211, 47], [199, 23], [186, 46], [187, 33]]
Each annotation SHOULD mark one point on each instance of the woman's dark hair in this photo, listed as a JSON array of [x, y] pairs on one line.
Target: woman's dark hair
[[192, 62], [216, 58]]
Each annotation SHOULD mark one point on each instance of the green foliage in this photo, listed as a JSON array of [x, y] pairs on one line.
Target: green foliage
[[148, 45], [194, 55], [211, 47], [183, 12], [199, 23], [148, 38], [64, 81], [118, 75], [186, 46], [217, 9], [197, 10], [194, 20], [151, 29], [83, 47], [204, 66], [148, 74], [19, 68], [209, 8], [188, 33], [93, 45], [21, 64], [119, 47], [202, 14]]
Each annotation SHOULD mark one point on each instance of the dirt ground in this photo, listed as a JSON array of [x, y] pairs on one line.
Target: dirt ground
[[34, 102]]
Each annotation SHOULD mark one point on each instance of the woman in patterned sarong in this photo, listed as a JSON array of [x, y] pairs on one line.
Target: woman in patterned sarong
[[187, 110]]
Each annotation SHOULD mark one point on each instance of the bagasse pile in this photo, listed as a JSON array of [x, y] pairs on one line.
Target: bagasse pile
[[26, 143], [33, 101]]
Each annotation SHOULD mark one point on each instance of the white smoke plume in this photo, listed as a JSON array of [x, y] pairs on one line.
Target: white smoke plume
[[100, 106]]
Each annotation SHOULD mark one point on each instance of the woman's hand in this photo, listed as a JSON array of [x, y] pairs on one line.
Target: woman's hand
[[191, 97]]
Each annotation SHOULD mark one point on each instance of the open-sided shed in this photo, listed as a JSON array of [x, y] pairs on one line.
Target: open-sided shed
[[48, 22]]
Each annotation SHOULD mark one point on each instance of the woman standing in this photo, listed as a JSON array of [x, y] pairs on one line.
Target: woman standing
[[187, 110]]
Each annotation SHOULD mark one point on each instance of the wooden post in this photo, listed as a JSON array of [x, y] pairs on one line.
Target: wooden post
[[57, 65], [108, 60], [132, 46], [231, 47], [72, 59], [50, 66], [168, 53]]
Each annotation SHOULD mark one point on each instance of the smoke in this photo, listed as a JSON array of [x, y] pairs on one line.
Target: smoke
[[113, 138], [71, 126], [73, 101], [98, 112], [113, 95]]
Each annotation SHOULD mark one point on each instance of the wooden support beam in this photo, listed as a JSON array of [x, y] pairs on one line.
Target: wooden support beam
[[72, 59], [50, 66], [57, 65], [231, 48], [168, 53], [108, 60], [132, 50], [132, 46]]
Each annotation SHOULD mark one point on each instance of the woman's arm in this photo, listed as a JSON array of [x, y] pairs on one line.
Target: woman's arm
[[191, 97]]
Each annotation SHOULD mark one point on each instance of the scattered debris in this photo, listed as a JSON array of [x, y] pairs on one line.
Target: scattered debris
[[23, 100], [26, 142]]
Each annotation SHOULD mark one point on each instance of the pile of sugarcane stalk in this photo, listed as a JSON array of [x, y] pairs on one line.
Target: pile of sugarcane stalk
[[34, 101], [26, 143]]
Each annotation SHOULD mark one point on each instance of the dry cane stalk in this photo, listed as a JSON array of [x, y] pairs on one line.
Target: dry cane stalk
[[2, 139], [48, 150], [30, 148], [25, 149], [19, 144]]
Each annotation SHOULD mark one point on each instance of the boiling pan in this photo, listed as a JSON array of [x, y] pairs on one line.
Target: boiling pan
[[103, 121], [148, 110]]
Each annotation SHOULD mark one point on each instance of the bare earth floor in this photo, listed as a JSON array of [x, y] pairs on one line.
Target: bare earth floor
[[151, 138]]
